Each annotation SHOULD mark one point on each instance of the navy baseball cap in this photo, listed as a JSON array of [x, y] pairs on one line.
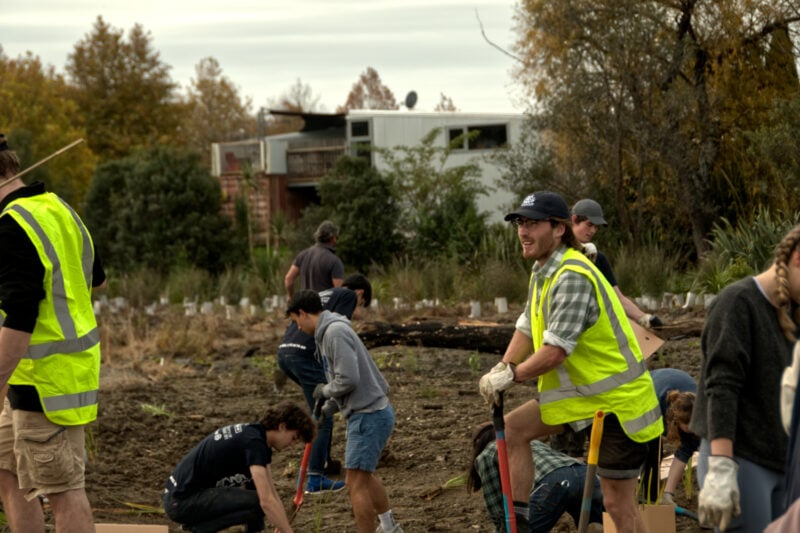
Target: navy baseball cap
[[541, 205]]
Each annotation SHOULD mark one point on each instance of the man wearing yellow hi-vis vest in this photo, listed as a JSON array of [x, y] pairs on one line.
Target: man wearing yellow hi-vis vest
[[49, 353], [575, 338]]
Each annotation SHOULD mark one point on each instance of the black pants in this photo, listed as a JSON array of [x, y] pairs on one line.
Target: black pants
[[212, 510]]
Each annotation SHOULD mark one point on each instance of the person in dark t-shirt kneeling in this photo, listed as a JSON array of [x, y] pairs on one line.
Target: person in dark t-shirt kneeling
[[226, 480]]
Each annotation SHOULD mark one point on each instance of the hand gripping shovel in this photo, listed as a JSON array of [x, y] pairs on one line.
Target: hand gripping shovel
[[591, 470], [502, 462], [301, 474]]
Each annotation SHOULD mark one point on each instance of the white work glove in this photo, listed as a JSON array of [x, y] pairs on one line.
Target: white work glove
[[590, 251], [498, 379], [788, 386], [667, 499], [719, 498], [650, 321]]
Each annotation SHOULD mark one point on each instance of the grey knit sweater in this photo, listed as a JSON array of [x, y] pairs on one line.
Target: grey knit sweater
[[744, 355]]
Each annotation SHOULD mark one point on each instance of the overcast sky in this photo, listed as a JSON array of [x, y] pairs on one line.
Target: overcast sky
[[429, 46]]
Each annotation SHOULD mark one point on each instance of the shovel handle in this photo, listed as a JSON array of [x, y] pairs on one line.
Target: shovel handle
[[591, 470]]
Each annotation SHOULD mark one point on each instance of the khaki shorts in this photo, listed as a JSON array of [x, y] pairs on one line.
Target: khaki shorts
[[45, 457]]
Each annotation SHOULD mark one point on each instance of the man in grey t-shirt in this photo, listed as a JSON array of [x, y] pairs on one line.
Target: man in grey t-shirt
[[317, 266]]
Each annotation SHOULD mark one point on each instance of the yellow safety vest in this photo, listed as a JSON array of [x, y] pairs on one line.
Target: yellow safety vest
[[63, 358], [606, 370]]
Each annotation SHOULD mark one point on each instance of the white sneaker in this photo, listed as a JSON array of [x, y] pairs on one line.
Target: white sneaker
[[395, 529]]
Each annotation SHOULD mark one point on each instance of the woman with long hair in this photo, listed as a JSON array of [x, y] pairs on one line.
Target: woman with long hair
[[747, 342]]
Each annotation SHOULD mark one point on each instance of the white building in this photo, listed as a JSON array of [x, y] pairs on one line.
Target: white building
[[293, 163]]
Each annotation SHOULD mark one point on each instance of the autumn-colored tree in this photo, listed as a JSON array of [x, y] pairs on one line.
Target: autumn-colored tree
[[216, 111], [299, 98], [38, 120], [123, 90], [445, 104], [369, 92], [646, 105]]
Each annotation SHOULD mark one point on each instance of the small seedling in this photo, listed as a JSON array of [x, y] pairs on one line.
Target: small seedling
[[156, 410], [474, 363], [410, 362], [429, 393], [267, 365], [687, 480]]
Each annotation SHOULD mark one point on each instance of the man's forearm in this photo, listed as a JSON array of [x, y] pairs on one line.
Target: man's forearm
[[518, 348], [13, 345], [545, 359]]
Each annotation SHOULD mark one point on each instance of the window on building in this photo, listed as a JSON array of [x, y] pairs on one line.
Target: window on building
[[359, 129], [488, 136], [360, 140]]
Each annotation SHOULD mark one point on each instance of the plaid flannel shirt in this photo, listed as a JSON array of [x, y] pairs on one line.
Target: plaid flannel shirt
[[546, 459]]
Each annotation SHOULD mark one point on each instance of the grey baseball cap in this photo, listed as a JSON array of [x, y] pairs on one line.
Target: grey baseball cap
[[541, 205], [590, 209]]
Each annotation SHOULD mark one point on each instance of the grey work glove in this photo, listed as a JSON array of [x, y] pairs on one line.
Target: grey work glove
[[498, 379], [329, 408], [319, 391], [719, 498]]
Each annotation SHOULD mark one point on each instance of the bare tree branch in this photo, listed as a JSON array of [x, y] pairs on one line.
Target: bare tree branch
[[503, 50]]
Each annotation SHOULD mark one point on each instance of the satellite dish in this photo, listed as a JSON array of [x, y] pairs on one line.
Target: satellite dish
[[411, 99]]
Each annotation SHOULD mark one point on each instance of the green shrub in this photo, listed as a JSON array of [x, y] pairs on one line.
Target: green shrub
[[753, 242], [140, 287], [189, 282], [158, 208], [647, 270], [742, 250]]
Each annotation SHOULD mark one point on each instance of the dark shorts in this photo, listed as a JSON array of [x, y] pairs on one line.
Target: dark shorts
[[620, 457]]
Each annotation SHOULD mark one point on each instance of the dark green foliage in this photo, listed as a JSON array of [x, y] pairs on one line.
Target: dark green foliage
[[360, 200], [158, 209], [438, 202]]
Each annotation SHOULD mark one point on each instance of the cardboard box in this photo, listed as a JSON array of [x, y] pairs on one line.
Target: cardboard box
[[649, 342], [130, 528], [657, 519]]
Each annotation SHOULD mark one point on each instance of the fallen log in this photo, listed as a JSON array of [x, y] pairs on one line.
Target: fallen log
[[484, 337]]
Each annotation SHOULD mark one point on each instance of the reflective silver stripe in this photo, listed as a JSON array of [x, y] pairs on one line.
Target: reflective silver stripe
[[59, 290], [637, 424], [635, 368], [568, 390], [87, 258], [616, 326], [70, 401], [81, 344]]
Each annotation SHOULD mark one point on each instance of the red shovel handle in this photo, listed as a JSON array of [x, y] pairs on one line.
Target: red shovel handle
[[502, 462], [301, 478]]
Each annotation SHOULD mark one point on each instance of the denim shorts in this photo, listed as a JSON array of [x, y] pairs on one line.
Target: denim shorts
[[367, 434]]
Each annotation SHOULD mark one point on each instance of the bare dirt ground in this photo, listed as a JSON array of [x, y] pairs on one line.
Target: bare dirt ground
[[153, 410]]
